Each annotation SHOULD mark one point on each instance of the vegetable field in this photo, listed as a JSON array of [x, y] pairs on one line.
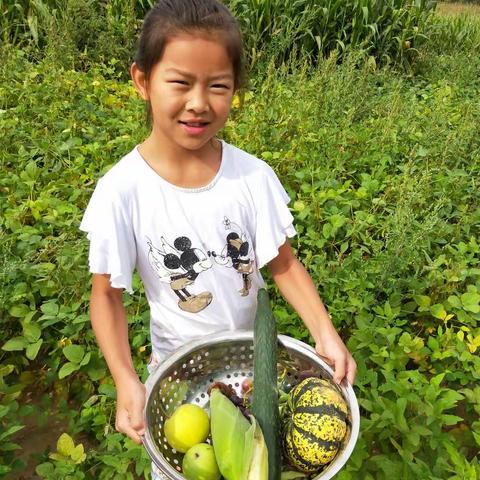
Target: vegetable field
[[377, 141]]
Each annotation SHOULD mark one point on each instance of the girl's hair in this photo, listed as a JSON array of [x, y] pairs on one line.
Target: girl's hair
[[168, 18]]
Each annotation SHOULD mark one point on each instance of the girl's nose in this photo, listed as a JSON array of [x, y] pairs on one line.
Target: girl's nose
[[198, 101]]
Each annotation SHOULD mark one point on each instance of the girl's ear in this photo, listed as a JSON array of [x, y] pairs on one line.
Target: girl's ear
[[140, 81]]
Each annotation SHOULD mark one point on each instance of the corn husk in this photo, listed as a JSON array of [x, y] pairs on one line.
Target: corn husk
[[239, 446], [256, 454]]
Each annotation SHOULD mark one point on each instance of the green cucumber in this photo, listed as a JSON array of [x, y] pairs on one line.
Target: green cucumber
[[265, 391]]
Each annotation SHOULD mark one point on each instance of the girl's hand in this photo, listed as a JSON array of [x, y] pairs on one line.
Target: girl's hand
[[131, 395], [331, 348]]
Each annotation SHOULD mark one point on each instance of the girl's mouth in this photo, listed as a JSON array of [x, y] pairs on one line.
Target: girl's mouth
[[194, 128]]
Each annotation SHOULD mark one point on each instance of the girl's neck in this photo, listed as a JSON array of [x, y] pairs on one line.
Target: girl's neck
[[181, 167]]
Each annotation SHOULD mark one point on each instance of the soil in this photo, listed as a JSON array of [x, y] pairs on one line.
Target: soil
[[41, 432]]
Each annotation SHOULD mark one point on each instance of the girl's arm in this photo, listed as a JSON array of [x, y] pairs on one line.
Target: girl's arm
[[298, 289], [109, 322]]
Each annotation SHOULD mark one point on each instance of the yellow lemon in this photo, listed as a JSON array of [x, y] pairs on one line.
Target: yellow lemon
[[188, 426]]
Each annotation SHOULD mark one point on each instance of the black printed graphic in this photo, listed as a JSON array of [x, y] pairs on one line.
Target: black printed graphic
[[179, 266], [236, 254]]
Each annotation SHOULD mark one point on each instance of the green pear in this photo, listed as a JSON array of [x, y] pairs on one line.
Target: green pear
[[199, 463]]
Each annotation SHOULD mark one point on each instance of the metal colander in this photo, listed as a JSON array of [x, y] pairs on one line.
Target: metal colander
[[227, 357]]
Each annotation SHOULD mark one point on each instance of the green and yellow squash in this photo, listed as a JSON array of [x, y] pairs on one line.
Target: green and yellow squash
[[315, 425]]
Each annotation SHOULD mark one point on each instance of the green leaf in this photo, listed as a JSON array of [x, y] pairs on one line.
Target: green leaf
[[67, 369], [86, 359], [422, 301], [108, 390], [59, 457], [50, 309], [3, 410], [96, 373], [45, 469], [326, 230], [337, 221], [32, 350], [422, 151], [110, 460], [19, 311], [470, 302], [15, 344], [32, 331], [292, 475], [298, 205], [78, 454], [454, 301], [451, 419], [9, 447], [65, 445], [11, 431], [438, 311], [437, 379], [74, 353]]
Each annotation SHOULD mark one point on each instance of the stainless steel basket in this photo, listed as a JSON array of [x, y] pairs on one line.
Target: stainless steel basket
[[227, 357]]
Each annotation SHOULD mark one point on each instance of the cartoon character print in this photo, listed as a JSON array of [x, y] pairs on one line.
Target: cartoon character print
[[179, 266], [236, 254]]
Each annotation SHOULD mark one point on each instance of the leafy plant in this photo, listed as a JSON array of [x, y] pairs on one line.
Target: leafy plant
[[381, 170]]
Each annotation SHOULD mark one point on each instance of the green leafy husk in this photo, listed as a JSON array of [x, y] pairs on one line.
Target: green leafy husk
[[256, 453], [239, 446]]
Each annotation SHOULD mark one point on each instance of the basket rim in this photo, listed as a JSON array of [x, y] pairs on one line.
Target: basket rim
[[228, 335]]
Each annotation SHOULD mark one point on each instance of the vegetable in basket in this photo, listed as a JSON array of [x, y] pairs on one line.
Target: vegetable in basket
[[316, 424], [265, 392], [239, 445], [188, 426], [199, 463]]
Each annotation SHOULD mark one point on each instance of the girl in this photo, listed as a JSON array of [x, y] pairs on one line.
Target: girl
[[196, 216]]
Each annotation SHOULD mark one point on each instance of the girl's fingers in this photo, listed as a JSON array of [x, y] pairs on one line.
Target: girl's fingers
[[351, 370], [343, 365], [326, 360], [136, 421], [124, 425], [131, 433], [340, 368]]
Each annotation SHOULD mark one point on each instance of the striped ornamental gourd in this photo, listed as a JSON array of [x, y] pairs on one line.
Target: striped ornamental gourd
[[315, 425]]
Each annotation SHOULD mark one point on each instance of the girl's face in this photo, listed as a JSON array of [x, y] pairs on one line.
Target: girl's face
[[190, 91]]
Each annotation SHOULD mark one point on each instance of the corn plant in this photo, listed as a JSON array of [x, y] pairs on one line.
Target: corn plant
[[27, 20], [387, 30], [453, 32]]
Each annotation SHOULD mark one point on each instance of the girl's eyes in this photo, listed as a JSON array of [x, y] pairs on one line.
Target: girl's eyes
[[185, 83]]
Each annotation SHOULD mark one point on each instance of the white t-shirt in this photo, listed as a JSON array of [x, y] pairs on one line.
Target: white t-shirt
[[198, 251]]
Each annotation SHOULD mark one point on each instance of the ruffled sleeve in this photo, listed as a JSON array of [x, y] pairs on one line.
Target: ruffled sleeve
[[274, 222], [112, 242]]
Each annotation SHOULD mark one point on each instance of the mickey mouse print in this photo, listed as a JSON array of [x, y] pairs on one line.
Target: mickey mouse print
[[181, 264], [236, 254]]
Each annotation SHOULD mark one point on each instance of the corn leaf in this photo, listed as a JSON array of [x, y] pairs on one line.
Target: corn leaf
[[229, 429]]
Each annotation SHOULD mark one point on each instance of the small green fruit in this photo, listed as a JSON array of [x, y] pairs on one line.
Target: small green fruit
[[199, 463], [188, 426]]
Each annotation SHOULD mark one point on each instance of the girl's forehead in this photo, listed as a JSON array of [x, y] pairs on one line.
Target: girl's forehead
[[196, 54]]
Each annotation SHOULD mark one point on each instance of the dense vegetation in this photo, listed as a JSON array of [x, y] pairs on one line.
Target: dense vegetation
[[381, 157]]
